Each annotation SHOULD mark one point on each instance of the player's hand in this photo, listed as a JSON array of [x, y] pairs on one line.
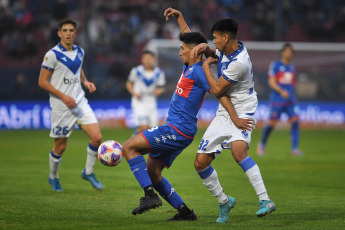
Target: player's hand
[[138, 96], [171, 12], [285, 94], [90, 86], [198, 50], [69, 101], [244, 124], [209, 61]]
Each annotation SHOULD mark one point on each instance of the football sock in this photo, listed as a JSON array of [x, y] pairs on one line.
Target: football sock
[[265, 134], [91, 159], [138, 167], [209, 177], [166, 191], [54, 163], [253, 172], [294, 135]]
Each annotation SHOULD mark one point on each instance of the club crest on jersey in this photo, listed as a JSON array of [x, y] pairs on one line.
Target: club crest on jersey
[[184, 86]]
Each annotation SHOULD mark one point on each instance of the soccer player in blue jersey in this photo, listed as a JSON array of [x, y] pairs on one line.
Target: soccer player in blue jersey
[[164, 143], [282, 80], [235, 80], [61, 75]]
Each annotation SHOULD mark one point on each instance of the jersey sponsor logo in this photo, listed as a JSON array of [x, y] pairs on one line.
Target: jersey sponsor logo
[[184, 86], [285, 78], [70, 81]]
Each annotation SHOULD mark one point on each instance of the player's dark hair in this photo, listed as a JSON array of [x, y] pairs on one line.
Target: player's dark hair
[[286, 45], [192, 38], [226, 25], [149, 52], [67, 21]]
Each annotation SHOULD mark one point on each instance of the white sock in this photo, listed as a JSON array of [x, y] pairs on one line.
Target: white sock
[[255, 179], [90, 160], [54, 163], [213, 185]]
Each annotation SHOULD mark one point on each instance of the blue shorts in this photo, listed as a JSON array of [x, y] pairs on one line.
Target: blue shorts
[[166, 143], [276, 111]]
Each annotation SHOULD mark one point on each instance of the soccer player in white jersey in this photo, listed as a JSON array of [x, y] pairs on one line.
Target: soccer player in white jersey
[[61, 75], [145, 83], [235, 79]]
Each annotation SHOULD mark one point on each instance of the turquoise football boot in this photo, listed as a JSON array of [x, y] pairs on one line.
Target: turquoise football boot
[[224, 210]]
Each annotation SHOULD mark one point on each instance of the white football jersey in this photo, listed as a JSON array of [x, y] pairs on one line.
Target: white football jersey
[[145, 82], [237, 69], [66, 68]]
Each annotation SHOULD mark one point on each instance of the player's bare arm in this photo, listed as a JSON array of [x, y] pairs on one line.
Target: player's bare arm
[[130, 89], [219, 87], [273, 84], [159, 91], [205, 49], [43, 82], [88, 85], [180, 20], [244, 124]]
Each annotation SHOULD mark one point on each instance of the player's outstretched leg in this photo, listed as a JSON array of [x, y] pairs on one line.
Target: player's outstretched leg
[[224, 210], [165, 189], [265, 207]]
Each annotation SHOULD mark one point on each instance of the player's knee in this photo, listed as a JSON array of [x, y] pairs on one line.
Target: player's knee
[[239, 155], [97, 140], [200, 165], [127, 149]]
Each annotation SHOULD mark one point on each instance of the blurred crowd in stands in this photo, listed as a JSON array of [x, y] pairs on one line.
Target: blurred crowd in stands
[[114, 33]]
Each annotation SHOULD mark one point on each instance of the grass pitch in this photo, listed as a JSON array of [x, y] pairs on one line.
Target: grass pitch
[[308, 191]]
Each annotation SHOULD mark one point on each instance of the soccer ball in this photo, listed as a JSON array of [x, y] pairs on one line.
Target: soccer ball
[[109, 153]]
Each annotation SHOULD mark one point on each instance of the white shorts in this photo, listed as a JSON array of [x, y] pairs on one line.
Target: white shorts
[[63, 122], [219, 135], [145, 113]]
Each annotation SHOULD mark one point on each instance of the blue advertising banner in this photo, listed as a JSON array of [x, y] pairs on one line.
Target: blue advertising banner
[[118, 113]]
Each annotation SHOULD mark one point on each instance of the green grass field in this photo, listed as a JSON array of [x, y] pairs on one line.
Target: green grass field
[[308, 191]]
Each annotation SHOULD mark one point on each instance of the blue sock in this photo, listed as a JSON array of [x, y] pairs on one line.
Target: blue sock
[[93, 148], [138, 167], [294, 135], [166, 191], [206, 172], [265, 134], [247, 163]]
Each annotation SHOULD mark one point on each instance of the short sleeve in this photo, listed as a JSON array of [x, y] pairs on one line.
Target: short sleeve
[[161, 79], [49, 61], [271, 70], [201, 80], [132, 75], [234, 71]]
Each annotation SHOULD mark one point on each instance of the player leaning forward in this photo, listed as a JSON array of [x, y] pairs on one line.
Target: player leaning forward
[[61, 75], [235, 79]]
